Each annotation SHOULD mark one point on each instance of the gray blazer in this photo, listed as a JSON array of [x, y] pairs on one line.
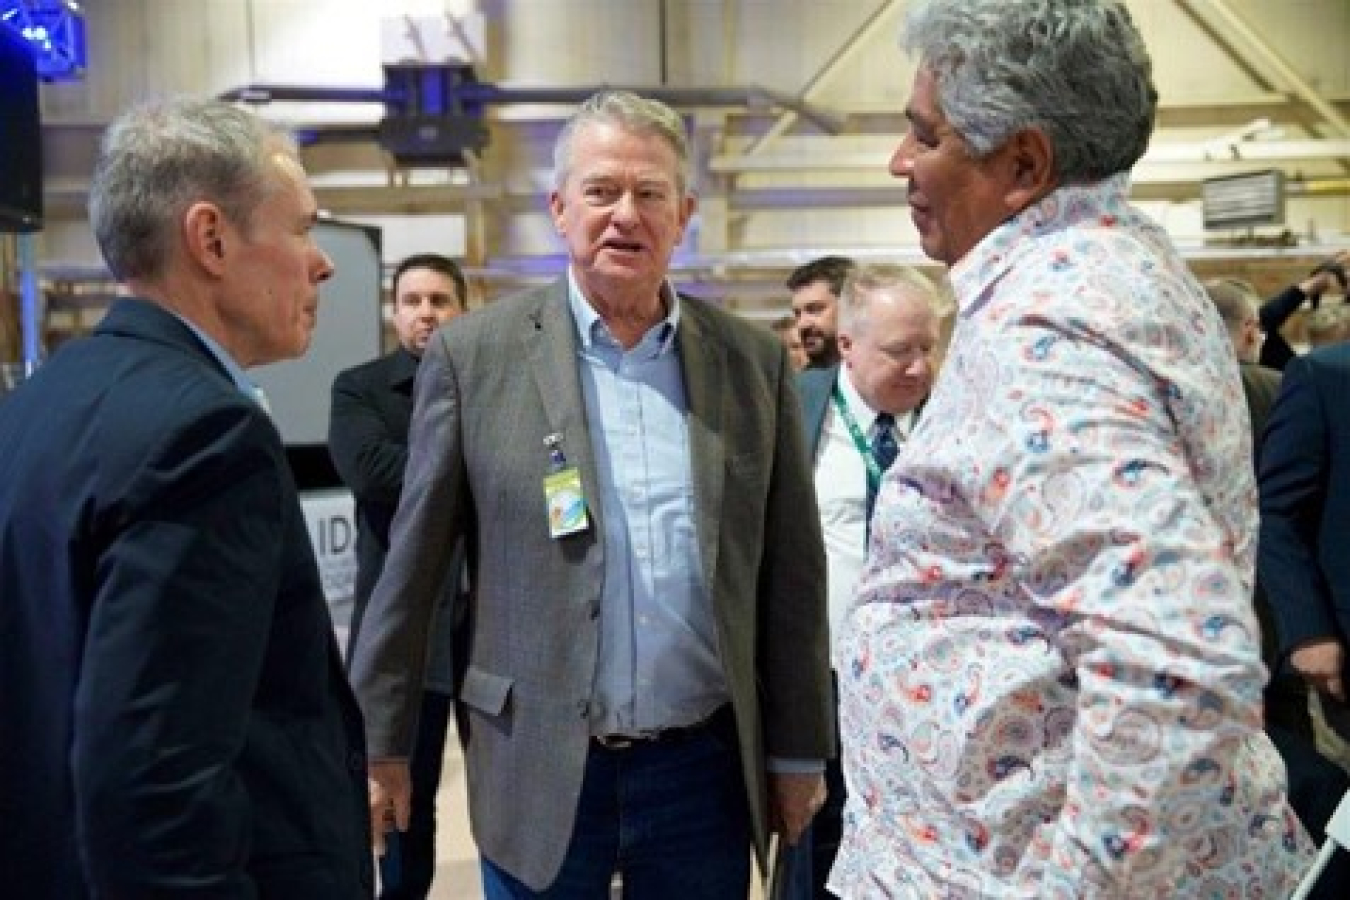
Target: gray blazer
[[491, 385]]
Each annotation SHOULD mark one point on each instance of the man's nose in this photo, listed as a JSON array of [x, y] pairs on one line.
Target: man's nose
[[902, 160], [625, 208]]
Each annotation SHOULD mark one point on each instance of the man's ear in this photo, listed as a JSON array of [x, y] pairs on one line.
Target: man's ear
[[1030, 161], [555, 210], [204, 234]]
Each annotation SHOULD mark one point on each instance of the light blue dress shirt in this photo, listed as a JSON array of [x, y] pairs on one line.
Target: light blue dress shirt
[[659, 666], [232, 368]]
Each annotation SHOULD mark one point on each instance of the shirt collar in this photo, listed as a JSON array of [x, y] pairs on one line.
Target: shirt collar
[[1105, 201], [232, 368], [590, 325], [862, 413]]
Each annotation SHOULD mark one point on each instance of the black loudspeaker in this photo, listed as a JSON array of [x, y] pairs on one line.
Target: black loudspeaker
[[20, 136]]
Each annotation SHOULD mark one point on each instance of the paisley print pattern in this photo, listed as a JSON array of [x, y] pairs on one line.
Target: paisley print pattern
[[1051, 678]]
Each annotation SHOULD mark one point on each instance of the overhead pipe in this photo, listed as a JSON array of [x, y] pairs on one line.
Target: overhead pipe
[[1199, 152], [483, 93]]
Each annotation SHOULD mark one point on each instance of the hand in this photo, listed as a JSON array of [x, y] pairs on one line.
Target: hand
[[1331, 272], [390, 799], [794, 800], [1321, 663]]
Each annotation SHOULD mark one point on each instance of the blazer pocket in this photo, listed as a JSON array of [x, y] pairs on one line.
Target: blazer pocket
[[484, 691]]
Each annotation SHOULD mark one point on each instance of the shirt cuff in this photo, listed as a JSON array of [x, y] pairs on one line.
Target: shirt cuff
[[780, 766]]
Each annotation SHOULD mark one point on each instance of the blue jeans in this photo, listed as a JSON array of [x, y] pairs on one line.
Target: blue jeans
[[409, 861], [670, 816]]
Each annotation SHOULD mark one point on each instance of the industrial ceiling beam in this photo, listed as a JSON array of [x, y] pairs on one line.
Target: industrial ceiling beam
[[846, 52], [1275, 62]]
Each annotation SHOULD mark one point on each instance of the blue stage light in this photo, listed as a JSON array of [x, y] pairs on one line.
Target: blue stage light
[[54, 30]]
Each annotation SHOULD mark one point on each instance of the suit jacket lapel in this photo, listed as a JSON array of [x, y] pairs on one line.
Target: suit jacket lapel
[[815, 387], [703, 358], [550, 339]]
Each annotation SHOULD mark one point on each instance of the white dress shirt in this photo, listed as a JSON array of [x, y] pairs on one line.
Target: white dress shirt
[[841, 492]]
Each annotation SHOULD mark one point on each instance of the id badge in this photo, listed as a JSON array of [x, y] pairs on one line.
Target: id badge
[[566, 502]]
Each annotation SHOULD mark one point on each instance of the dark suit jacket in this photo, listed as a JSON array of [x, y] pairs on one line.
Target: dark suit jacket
[[815, 386], [492, 385], [173, 711], [1260, 385], [1286, 694], [368, 442], [1305, 499]]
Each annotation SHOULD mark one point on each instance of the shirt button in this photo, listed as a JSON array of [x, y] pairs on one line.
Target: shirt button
[[356, 761]]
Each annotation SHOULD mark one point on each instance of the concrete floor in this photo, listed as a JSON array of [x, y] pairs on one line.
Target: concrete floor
[[457, 875]]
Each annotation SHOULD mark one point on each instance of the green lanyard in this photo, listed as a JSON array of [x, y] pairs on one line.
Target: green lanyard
[[859, 440]]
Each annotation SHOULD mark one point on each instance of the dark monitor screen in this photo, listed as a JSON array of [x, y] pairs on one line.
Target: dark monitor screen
[[20, 136]]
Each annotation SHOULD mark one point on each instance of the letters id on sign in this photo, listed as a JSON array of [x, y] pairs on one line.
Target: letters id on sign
[[330, 516]]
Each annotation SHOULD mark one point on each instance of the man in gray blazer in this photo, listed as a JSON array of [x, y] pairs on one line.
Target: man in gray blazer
[[647, 630]]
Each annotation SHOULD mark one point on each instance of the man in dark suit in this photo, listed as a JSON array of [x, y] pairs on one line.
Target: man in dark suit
[[1305, 515], [1238, 305], [1276, 351], [1316, 784], [854, 415], [1304, 567], [815, 288], [647, 678], [368, 441], [175, 718]]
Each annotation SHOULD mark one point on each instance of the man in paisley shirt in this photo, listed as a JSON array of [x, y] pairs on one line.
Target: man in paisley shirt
[[1051, 675]]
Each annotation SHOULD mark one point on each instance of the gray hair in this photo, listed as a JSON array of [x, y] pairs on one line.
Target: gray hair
[[158, 158], [638, 115], [868, 281], [1236, 301], [1075, 69]]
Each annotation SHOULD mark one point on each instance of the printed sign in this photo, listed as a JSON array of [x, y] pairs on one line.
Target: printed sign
[[330, 516]]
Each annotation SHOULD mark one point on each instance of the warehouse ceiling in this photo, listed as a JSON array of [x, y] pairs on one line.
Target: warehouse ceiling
[[772, 152]]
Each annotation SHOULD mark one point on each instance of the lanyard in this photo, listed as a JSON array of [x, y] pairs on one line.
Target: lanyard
[[859, 440]]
